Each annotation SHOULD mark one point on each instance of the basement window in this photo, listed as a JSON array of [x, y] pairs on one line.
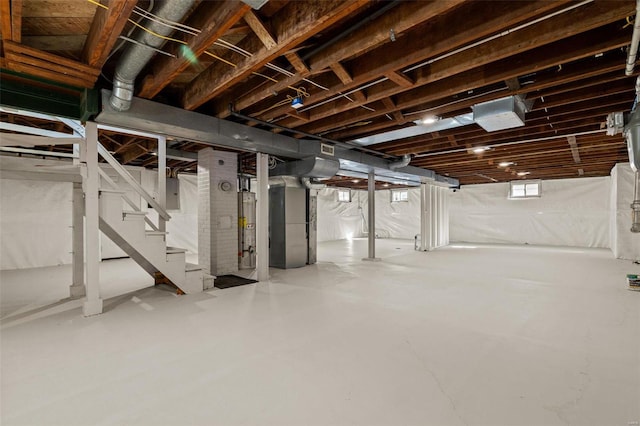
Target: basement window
[[399, 195], [344, 195], [524, 189]]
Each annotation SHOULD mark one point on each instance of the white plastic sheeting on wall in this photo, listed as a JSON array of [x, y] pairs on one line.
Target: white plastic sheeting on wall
[[400, 219], [339, 220], [35, 223], [36, 217], [624, 243], [570, 212], [183, 227]]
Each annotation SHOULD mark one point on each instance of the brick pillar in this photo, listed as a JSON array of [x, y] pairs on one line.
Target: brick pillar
[[217, 211]]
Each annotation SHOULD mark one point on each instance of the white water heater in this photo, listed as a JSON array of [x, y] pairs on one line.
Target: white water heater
[[246, 230]]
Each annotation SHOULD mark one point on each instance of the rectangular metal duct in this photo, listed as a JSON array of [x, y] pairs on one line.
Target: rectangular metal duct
[[500, 114]]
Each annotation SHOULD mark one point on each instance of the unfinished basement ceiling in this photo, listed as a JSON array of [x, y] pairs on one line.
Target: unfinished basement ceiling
[[361, 68]]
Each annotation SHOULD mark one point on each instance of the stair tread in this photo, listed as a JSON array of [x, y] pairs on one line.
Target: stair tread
[[192, 267], [175, 250], [133, 212], [113, 191], [155, 232]]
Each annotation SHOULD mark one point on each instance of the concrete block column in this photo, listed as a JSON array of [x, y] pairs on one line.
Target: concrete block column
[[217, 211]]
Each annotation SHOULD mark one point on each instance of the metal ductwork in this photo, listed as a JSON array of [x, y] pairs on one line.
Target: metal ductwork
[[635, 40], [404, 162], [310, 183], [635, 205], [137, 55], [316, 167], [499, 114]]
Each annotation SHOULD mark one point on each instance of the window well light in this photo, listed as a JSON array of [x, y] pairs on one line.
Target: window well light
[[505, 163]]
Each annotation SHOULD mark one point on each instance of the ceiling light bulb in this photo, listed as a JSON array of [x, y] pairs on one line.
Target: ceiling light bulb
[[505, 163], [355, 180], [429, 119], [523, 173], [479, 150], [386, 185]]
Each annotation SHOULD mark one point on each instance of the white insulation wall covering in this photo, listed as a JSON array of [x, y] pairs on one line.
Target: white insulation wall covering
[[570, 212], [399, 219], [338, 220], [35, 223], [624, 243], [35, 216], [183, 227]]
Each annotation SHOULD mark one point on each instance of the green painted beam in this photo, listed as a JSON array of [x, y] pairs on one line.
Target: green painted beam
[[40, 95]]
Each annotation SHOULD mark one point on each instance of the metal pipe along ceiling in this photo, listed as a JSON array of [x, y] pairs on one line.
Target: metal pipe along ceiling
[[635, 40], [136, 56]]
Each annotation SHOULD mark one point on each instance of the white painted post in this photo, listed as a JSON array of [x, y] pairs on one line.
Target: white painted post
[[433, 205], [77, 288], [93, 302], [371, 186], [162, 180], [424, 217], [262, 217]]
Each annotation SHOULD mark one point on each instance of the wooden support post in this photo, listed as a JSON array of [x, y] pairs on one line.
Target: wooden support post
[[371, 186], [162, 180], [77, 288], [93, 302], [425, 211], [262, 217]]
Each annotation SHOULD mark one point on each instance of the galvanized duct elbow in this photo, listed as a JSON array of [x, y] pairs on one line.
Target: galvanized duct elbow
[[310, 183], [404, 162], [137, 55]]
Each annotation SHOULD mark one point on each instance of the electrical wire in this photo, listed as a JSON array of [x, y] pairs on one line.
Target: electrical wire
[[194, 31]]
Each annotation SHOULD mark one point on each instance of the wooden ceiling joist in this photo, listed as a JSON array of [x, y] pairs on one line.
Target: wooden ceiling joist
[[105, 29], [213, 22], [25, 59], [291, 26], [581, 46], [444, 35], [400, 18]]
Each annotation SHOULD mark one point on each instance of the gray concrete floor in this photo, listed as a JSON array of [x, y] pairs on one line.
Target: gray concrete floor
[[491, 335]]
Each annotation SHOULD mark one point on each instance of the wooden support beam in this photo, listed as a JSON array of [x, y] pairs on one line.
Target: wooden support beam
[[293, 24], [566, 50], [46, 65], [105, 29], [259, 28], [574, 149], [401, 18], [399, 78], [344, 76], [214, 21], [137, 150], [5, 19], [297, 62], [512, 84], [16, 20], [477, 21]]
